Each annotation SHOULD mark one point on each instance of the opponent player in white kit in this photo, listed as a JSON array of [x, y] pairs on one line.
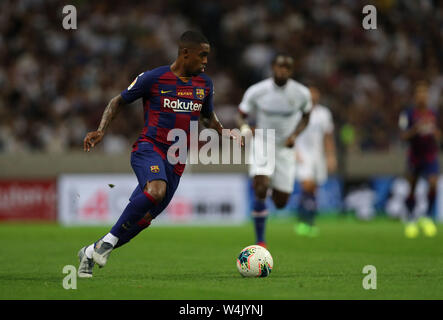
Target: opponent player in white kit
[[282, 104], [315, 157]]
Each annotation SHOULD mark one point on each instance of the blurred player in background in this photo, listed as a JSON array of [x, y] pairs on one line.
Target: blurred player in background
[[173, 96], [315, 157], [276, 103], [420, 129]]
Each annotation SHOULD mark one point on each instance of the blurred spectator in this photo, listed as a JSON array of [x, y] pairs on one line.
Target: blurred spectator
[[55, 83]]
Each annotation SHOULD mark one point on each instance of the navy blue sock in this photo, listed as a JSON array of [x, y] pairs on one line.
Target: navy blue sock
[[260, 219], [134, 211], [131, 233], [431, 203], [259, 205], [307, 207], [260, 223], [410, 204]]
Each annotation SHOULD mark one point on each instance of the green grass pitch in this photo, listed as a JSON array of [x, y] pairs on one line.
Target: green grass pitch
[[199, 263]]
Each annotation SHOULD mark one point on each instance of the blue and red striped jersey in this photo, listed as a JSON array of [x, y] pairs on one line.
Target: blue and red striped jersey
[[423, 147], [169, 103]]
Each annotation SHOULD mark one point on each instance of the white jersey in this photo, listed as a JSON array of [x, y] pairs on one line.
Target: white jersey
[[277, 107], [309, 146], [311, 140]]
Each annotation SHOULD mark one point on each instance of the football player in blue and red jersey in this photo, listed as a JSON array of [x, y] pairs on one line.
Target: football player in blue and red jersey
[[173, 96], [419, 127]]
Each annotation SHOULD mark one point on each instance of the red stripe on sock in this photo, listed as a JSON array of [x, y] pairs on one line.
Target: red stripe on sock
[[150, 197], [143, 223]]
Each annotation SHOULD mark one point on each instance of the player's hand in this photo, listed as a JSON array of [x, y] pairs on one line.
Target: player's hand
[[290, 142], [91, 139], [234, 135], [246, 132]]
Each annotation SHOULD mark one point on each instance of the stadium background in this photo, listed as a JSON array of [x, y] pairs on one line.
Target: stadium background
[[55, 83]]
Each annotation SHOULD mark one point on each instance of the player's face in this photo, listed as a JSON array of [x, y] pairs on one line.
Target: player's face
[[282, 69], [197, 59]]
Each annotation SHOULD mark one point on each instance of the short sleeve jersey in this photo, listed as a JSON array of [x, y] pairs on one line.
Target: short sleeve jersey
[[423, 147], [277, 107], [169, 103]]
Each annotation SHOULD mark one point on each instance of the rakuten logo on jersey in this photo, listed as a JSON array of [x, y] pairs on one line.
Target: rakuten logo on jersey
[[181, 106]]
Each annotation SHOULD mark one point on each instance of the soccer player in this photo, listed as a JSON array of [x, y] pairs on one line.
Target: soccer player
[[282, 104], [173, 96], [419, 128], [315, 157]]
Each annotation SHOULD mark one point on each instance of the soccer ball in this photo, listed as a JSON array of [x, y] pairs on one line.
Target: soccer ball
[[255, 261]]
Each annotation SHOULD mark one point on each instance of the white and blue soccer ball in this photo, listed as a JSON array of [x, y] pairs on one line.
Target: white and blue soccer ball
[[255, 261]]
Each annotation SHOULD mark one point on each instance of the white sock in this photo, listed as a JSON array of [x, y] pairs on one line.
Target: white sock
[[110, 238], [89, 250]]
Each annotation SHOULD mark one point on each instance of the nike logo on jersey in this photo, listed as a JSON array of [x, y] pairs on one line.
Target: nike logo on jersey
[[163, 92]]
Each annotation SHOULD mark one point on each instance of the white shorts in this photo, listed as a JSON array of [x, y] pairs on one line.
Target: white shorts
[[280, 168], [311, 167]]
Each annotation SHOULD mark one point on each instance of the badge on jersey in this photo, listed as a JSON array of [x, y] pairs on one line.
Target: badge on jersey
[[133, 82], [155, 169], [200, 93]]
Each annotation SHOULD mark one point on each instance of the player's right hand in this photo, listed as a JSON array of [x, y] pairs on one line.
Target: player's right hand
[[91, 139], [290, 142], [246, 132]]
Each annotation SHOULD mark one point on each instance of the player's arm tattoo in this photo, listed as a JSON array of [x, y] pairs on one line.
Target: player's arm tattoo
[[110, 112]]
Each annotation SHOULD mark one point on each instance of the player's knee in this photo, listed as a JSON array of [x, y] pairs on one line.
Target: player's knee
[[280, 199], [156, 190], [280, 203], [157, 194], [261, 184], [308, 186]]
